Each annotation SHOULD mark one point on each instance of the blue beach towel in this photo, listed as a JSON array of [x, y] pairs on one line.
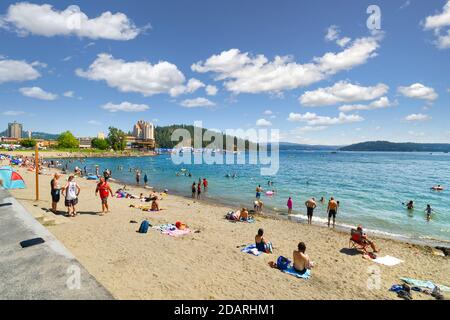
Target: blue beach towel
[[425, 284], [251, 248], [249, 220], [290, 270]]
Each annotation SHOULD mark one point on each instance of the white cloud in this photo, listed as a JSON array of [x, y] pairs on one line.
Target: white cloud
[[342, 92], [14, 70], [313, 119], [437, 23], [69, 94], [332, 33], [68, 58], [418, 91], [405, 5], [381, 103], [343, 41], [263, 123], [268, 112], [138, 76], [13, 113], [38, 93], [211, 90], [417, 117], [125, 107], [304, 129], [243, 73], [197, 102], [94, 123], [27, 18], [416, 134]]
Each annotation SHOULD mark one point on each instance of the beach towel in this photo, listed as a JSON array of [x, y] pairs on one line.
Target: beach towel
[[251, 248], [388, 261], [425, 284], [290, 270], [177, 232]]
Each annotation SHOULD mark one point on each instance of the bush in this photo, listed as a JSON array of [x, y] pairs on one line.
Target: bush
[[101, 144], [68, 140], [28, 143]]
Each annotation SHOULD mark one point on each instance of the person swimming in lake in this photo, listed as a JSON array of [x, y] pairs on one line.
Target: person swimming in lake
[[302, 263], [429, 211], [410, 205], [261, 244]]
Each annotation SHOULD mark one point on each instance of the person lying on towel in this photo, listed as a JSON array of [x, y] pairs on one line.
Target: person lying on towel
[[365, 239], [261, 244], [301, 259]]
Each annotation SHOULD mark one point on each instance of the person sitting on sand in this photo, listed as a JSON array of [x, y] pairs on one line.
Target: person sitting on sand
[[142, 197], [243, 214], [261, 244], [301, 259], [366, 240], [155, 205]]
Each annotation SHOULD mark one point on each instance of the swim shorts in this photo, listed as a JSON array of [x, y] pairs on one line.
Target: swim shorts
[[309, 211], [71, 203], [332, 213]]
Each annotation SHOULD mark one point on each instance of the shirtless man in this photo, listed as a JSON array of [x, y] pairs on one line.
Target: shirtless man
[[301, 259], [332, 211], [310, 206]]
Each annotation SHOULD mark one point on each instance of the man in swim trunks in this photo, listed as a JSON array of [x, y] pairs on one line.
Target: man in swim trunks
[[258, 192], [301, 259], [310, 206], [332, 211]]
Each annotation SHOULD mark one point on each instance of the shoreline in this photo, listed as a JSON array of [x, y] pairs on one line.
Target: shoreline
[[298, 217], [209, 264]]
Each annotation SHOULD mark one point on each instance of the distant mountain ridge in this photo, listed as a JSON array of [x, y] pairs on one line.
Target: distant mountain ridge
[[387, 146], [306, 147], [36, 135]]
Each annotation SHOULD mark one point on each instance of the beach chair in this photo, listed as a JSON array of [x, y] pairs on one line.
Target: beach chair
[[357, 241]]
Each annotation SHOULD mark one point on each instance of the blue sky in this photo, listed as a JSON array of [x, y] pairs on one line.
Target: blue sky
[[312, 69]]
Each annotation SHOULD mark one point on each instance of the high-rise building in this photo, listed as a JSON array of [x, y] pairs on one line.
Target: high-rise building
[[144, 130], [15, 130]]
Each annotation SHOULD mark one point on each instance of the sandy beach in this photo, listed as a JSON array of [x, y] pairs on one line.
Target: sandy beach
[[208, 264]]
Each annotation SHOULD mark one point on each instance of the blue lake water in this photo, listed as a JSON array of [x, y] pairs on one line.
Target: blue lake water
[[370, 186]]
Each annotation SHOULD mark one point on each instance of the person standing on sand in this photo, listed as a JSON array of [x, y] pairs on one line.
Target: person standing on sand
[[55, 192], [105, 190], [310, 206], [289, 205], [71, 192], [194, 190], [138, 177], [332, 211]]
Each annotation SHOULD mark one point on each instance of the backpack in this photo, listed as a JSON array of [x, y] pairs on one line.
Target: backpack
[[144, 227], [283, 263]]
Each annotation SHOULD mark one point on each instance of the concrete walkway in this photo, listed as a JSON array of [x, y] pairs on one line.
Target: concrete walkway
[[44, 271]]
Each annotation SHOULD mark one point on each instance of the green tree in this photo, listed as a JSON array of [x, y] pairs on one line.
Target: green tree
[[101, 144], [28, 143], [117, 139], [68, 140]]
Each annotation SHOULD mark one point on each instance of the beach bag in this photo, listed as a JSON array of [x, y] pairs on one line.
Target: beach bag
[[283, 263], [144, 227]]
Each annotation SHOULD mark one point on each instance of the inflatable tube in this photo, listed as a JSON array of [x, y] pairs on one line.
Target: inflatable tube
[[91, 177], [437, 188], [269, 193]]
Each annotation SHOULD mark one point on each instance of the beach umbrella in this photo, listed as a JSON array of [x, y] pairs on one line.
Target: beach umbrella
[[11, 179]]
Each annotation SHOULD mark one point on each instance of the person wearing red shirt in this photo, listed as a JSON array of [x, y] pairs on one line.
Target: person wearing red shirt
[[104, 190]]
